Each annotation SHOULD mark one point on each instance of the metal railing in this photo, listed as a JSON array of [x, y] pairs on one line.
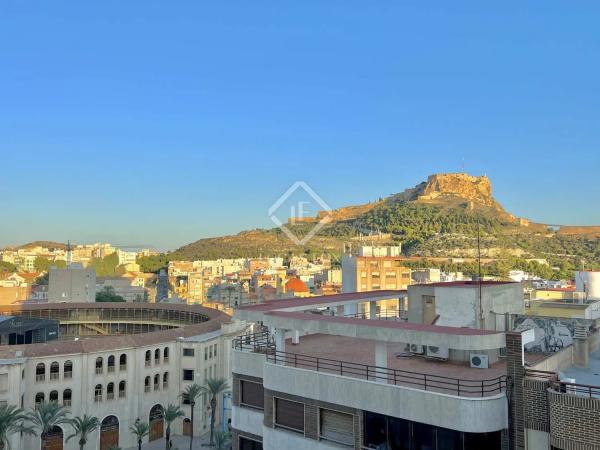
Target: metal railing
[[427, 382], [260, 342], [68, 375], [386, 314], [54, 375], [564, 387], [584, 390]]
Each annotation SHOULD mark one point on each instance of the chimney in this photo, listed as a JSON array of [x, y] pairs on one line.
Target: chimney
[[581, 347]]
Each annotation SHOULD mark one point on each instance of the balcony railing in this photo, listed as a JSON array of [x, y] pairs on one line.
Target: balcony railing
[[67, 403], [260, 342], [121, 394], [148, 363], [40, 377], [68, 375], [110, 369], [584, 390], [110, 396], [122, 367], [166, 360], [54, 375], [99, 370], [426, 382], [386, 314], [146, 388]]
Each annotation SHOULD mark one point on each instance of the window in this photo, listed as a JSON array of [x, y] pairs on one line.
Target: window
[[185, 399], [53, 398], [249, 444], [123, 362], [68, 370], [39, 399], [4, 382], [210, 349], [157, 356], [110, 364], [165, 380], [122, 388], [99, 365], [205, 353], [110, 391], [188, 375], [215, 351], [166, 355], [289, 414], [98, 393], [67, 398], [188, 352], [54, 371], [337, 427], [148, 358], [40, 372], [252, 394], [147, 384]]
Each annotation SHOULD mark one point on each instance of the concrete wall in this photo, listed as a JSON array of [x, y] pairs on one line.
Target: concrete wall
[[477, 415], [348, 274], [72, 285], [278, 439]]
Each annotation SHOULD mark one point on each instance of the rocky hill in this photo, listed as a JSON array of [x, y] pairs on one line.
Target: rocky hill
[[439, 217]]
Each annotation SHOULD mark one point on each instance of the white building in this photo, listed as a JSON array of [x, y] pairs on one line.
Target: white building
[[73, 284], [122, 377]]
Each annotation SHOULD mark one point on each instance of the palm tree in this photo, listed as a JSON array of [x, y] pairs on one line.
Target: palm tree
[[221, 439], [11, 421], [82, 428], [171, 413], [214, 386], [141, 430], [47, 416], [192, 392]]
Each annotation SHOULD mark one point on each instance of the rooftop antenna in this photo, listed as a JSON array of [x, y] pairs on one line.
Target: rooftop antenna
[[479, 271], [69, 254]]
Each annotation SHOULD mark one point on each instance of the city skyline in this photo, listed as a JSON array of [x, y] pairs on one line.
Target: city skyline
[[160, 125]]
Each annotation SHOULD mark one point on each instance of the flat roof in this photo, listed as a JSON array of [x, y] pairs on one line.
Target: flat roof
[[273, 305], [398, 325], [589, 376], [466, 284]]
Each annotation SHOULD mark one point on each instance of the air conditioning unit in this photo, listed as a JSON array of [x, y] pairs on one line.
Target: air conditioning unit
[[437, 352], [414, 348], [479, 361]]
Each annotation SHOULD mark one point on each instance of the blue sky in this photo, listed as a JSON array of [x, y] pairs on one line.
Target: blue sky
[[146, 122]]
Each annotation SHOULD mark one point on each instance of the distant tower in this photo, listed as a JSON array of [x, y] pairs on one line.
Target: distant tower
[[69, 254]]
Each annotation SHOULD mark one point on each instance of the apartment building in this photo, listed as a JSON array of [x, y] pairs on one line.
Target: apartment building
[[328, 381], [72, 284]]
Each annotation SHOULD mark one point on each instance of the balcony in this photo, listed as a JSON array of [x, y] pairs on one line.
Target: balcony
[[396, 377], [260, 342]]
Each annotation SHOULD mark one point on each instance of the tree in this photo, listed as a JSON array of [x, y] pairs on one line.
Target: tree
[[107, 294], [214, 387], [47, 416], [141, 430], [12, 421], [221, 439], [192, 392], [5, 266], [82, 428], [42, 264], [171, 413]]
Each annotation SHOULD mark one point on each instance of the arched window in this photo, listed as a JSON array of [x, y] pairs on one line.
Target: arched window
[[39, 399], [166, 355], [53, 398], [156, 382], [99, 365], [110, 364], [148, 358], [68, 370], [98, 393], [157, 357], [147, 384], [123, 362], [40, 372], [110, 391], [165, 380], [122, 389], [67, 398], [54, 371], [109, 433]]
